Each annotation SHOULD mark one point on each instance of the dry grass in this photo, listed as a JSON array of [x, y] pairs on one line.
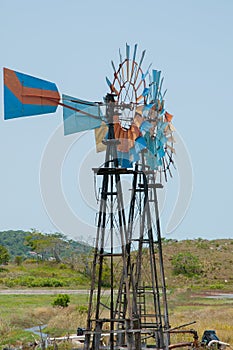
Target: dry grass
[[218, 317], [64, 321], [184, 308]]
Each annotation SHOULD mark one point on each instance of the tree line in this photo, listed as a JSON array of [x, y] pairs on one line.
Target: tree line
[[18, 245]]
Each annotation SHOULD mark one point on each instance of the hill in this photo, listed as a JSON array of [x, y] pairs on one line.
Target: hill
[[214, 259], [20, 243], [195, 264], [14, 241]]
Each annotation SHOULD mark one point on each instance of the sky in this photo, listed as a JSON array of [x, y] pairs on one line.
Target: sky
[[46, 181]]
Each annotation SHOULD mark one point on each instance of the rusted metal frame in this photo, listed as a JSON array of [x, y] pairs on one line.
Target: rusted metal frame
[[128, 281], [132, 203], [119, 79], [140, 243], [164, 170], [97, 255], [98, 325], [124, 242], [97, 252], [161, 265], [111, 265], [141, 81], [154, 276], [130, 84]]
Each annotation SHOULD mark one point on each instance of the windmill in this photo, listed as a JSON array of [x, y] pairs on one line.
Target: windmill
[[136, 133]]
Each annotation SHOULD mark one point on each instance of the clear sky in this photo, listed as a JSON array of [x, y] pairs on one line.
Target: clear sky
[[46, 179]]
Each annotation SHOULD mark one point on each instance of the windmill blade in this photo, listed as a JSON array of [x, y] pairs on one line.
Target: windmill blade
[[133, 61], [121, 65], [25, 95], [100, 135], [79, 115], [127, 58], [135, 52], [139, 66], [112, 87], [160, 90], [155, 82]]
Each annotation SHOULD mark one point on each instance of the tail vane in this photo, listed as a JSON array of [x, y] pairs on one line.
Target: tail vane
[[25, 95]]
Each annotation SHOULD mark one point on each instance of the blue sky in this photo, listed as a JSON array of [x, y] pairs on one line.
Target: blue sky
[[72, 43]]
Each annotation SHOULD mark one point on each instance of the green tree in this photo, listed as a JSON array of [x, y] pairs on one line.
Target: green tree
[[45, 244], [186, 264], [4, 255]]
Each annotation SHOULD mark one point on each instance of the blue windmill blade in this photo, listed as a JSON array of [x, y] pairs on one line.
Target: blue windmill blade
[[164, 93], [112, 87], [140, 144], [135, 52], [79, 115], [133, 61], [144, 75], [108, 82], [127, 58], [139, 66], [124, 159], [145, 126], [121, 65], [142, 58], [160, 90], [145, 92], [155, 82]]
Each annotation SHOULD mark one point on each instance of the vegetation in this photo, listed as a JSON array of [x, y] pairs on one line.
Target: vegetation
[[209, 263], [4, 255], [14, 242], [61, 300], [199, 264], [192, 267], [186, 264], [41, 245], [19, 312], [49, 274]]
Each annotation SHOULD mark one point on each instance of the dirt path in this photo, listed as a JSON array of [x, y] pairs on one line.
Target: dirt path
[[43, 291]]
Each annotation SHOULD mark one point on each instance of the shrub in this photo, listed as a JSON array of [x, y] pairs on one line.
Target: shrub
[[61, 300], [18, 260], [186, 264], [4, 255], [82, 309]]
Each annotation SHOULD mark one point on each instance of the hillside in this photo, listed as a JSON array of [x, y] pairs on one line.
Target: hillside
[[211, 264], [17, 244], [14, 241], [215, 258]]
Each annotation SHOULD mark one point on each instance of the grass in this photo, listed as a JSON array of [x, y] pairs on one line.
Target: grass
[[186, 300], [43, 274], [19, 312], [23, 311], [215, 259]]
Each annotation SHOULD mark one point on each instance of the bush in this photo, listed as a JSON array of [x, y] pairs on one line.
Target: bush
[[82, 309], [18, 260], [4, 255], [186, 264], [61, 300]]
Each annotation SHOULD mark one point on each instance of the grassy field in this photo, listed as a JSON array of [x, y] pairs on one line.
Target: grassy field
[[24, 311], [185, 294]]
